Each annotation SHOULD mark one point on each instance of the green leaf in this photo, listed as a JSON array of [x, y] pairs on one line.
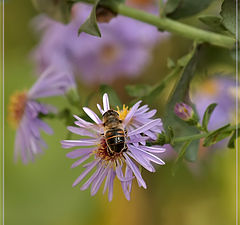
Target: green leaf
[[214, 22], [207, 115], [58, 10], [113, 97], [235, 135], [180, 157], [180, 94], [177, 9], [217, 136], [90, 26], [228, 13], [138, 90], [170, 63]]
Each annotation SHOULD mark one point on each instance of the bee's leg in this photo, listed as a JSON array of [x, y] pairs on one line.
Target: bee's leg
[[125, 148], [109, 151]]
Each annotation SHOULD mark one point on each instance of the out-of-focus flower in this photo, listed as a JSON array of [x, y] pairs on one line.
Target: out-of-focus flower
[[219, 90], [110, 164], [24, 111], [123, 50]]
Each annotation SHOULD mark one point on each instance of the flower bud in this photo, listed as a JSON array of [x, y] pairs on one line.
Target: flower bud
[[184, 111], [104, 15]]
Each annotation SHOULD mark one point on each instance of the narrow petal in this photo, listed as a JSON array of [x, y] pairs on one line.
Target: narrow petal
[[143, 162], [106, 105], [128, 173], [79, 152], [82, 142], [124, 183], [90, 180], [110, 185], [81, 131], [154, 149], [97, 183], [86, 171], [120, 174], [142, 109], [135, 170], [135, 139], [145, 127], [107, 181], [82, 123], [131, 113], [148, 114], [151, 135], [148, 155], [80, 161], [92, 115], [100, 109]]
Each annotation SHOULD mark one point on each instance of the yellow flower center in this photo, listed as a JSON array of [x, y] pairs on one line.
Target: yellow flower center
[[210, 87], [123, 112], [110, 53], [16, 107]]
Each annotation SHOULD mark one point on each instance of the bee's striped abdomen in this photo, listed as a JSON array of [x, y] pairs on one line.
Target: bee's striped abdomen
[[115, 139]]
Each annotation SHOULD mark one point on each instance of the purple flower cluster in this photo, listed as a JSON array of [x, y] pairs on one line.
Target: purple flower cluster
[[24, 111], [140, 127], [123, 50]]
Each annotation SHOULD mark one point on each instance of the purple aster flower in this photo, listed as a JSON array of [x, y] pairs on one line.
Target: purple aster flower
[[123, 50], [221, 91], [106, 163], [24, 110]]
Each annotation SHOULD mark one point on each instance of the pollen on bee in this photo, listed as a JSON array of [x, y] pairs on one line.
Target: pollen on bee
[[16, 107], [103, 152], [123, 112]]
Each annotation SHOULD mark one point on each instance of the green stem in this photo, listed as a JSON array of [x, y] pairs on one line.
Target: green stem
[[159, 87], [169, 24], [199, 136]]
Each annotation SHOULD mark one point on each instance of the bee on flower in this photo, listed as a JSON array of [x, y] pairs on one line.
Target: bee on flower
[[24, 110], [116, 145]]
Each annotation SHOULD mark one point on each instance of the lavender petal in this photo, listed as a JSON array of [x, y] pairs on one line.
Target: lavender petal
[[80, 161], [136, 171], [145, 127], [82, 142], [79, 152], [106, 105], [90, 180], [86, 171], [131, 113], [92, 115], [148, 155]]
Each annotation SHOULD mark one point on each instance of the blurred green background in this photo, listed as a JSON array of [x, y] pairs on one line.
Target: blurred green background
[[41, 192]]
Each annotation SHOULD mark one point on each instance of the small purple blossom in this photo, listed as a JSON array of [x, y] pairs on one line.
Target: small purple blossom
[[183, 111], [24, 110], [122, 165], [123, 50], [221, 90]]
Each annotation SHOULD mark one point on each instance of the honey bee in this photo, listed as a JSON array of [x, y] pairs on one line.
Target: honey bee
[[114, 133]]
